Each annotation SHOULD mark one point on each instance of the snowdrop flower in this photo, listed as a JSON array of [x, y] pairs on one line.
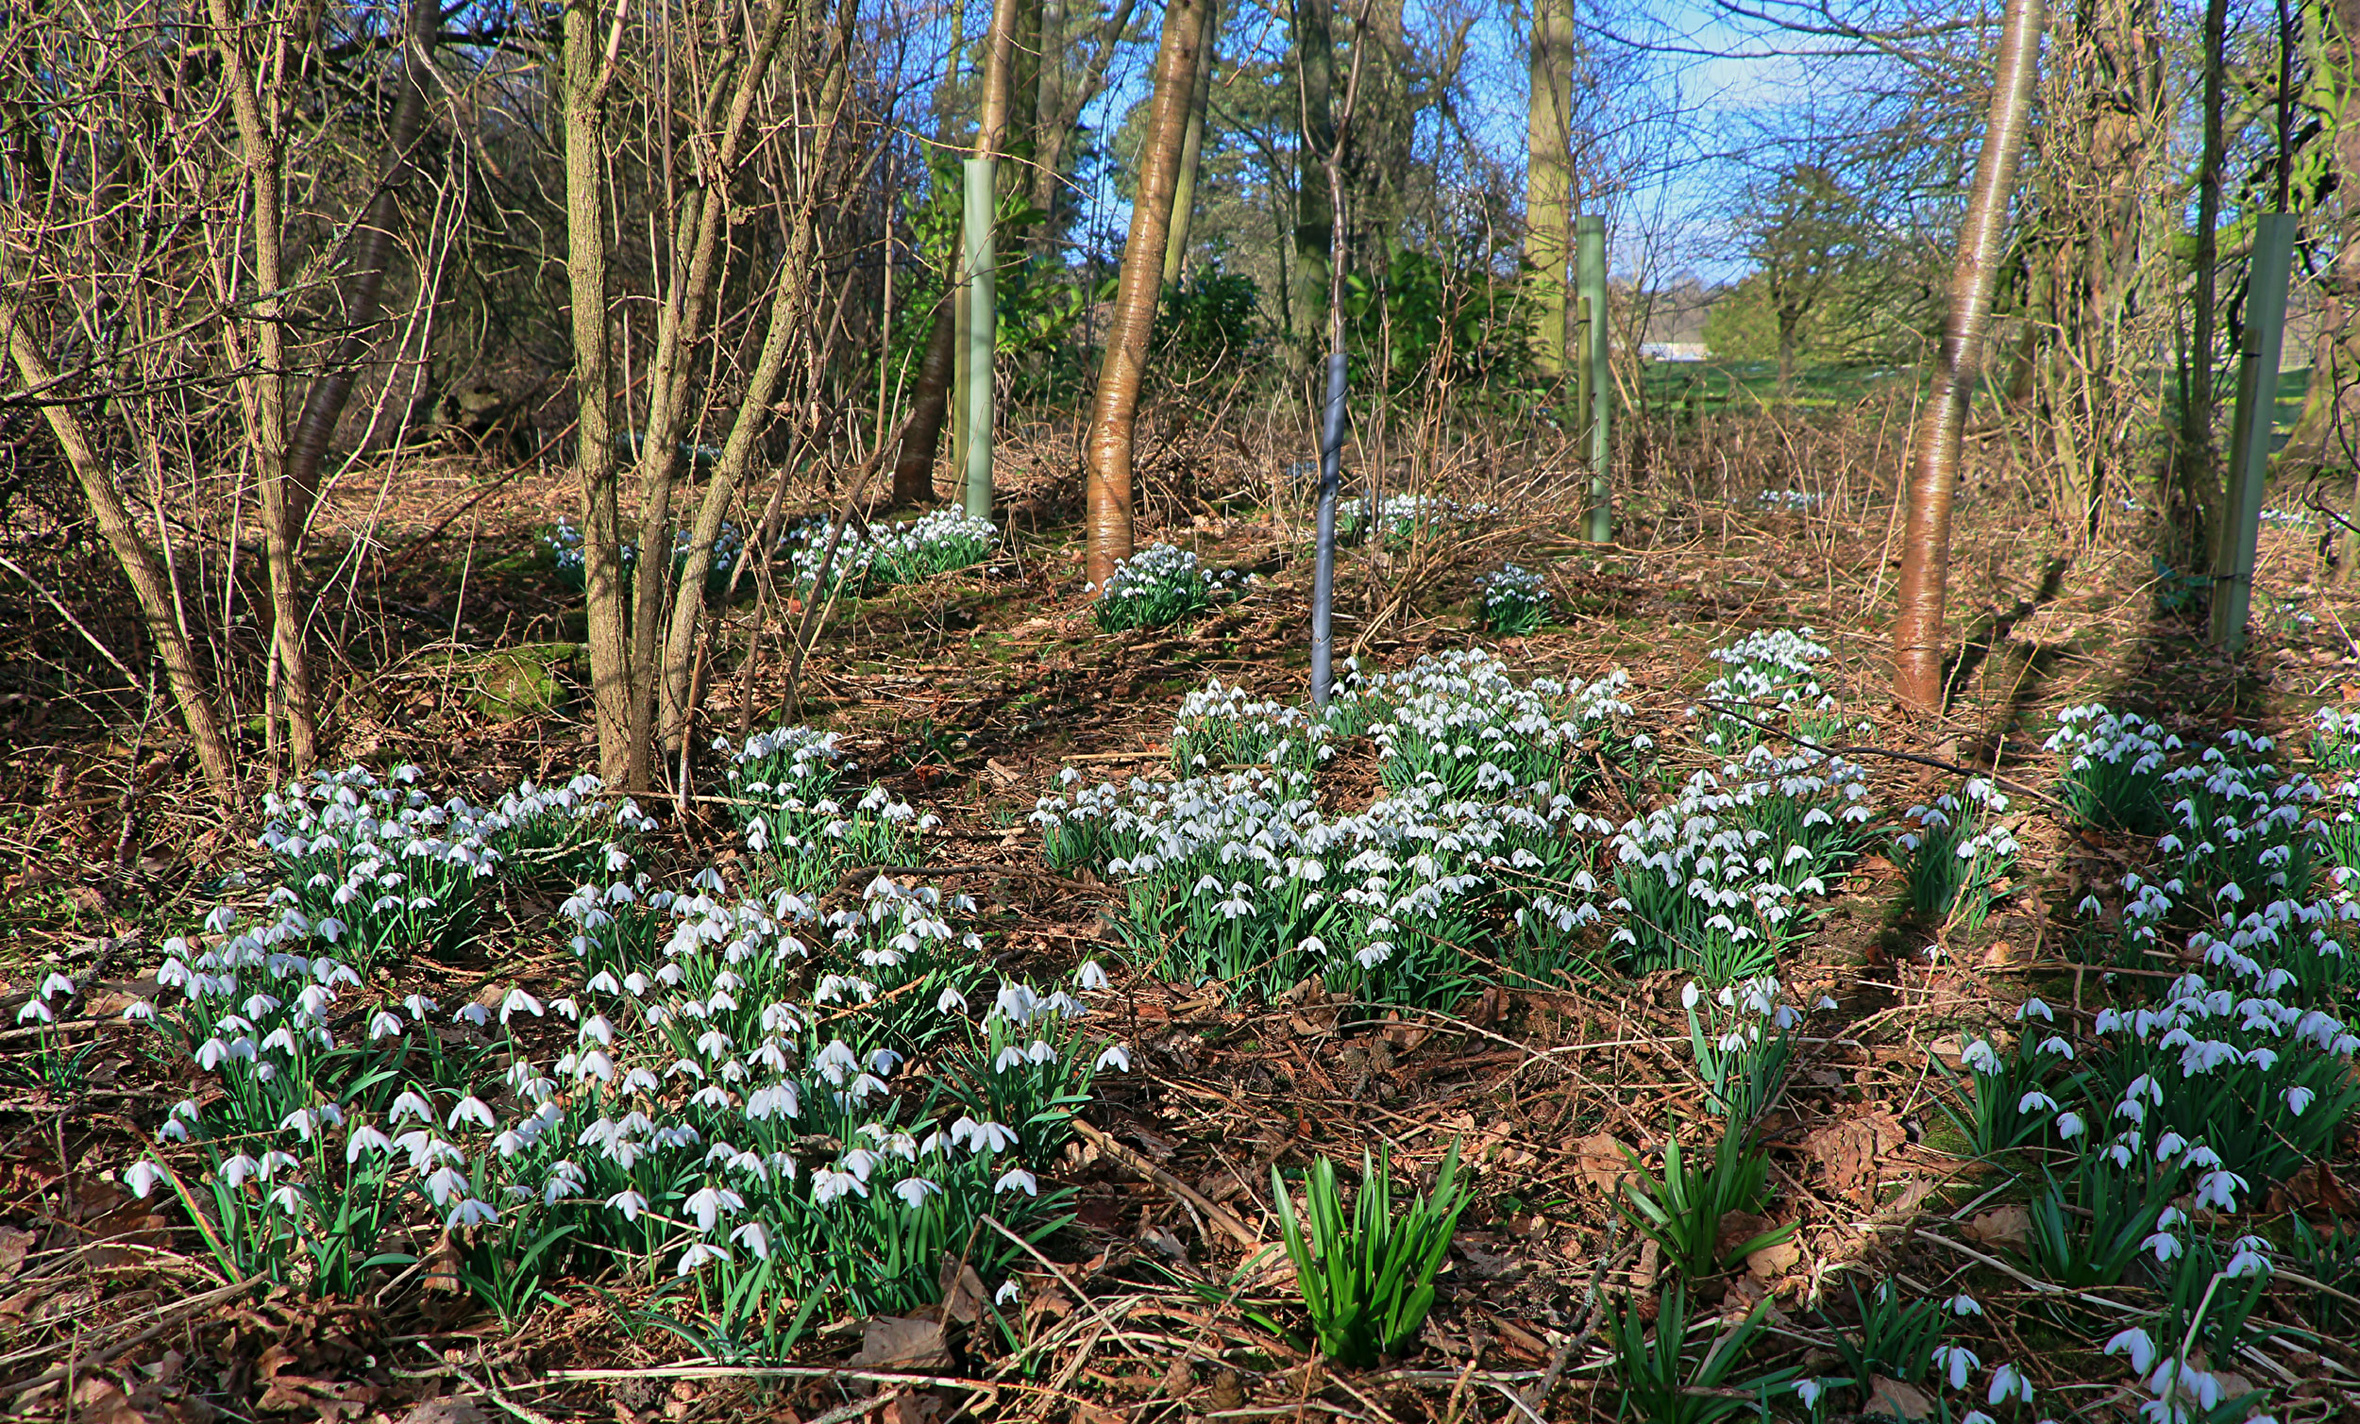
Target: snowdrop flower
[[1090, 976], [913, 1191], [2069, 1126], [471, 1212], [1006, 1293], [1980, 1056], [1015, 1179], [142, 1177], [950, 1001], [1116, 1057], [470, 1109], [698, 1254], [2008, 1382], [410, 1104], [752, 1236], [1963, 1304], [1958, 1360], [629, 1203], [475, 1014], [2137, 1343]]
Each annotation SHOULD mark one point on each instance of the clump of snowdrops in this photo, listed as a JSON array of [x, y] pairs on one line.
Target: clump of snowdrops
[[1157, 587], [759, 1104], [1515, 600], [1959, 858], [2155, 1123], [789, 798], [870, 557]]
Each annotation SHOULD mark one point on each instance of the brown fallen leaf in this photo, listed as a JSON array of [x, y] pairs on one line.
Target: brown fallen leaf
[[1891, 1399], [1771, 1262], [1599, 1161], [1850, 1150], [2000, 1226], [899, 1342], [450, 1409]]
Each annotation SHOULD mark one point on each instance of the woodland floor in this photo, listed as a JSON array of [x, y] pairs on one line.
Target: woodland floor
[[966, 694]]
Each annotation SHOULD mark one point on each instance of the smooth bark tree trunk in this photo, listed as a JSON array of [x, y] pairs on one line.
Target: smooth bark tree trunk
[[1919, 636], [913, 465], [1137, 293], [1315, 216], [583, 82], [190, 688], [1548, 181], [1192, 150], [1064, 98], [364, 284], [2200, 473]]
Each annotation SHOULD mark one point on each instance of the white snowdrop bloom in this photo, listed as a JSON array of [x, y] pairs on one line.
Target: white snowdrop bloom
[[1980, 1056], [469, 1109], [1006, 1293], [1090, 976], [1010, 1057], [1958, 1360], [2298, 1098], [699, 1253], [1963, 1304], [475, 1014], [628, 1202], [753, 1236], [2219, 1189], [950, 1001], [142, 1176], [445, 1182], [1017, 1179], [883, 1061], [913, 1191], [471, 1212], [288, 1199], [2008, 1382], [829, 1185], [2070, 1125], [35, 1011], [1114, 1056], [383, 1024], [419, 1006]]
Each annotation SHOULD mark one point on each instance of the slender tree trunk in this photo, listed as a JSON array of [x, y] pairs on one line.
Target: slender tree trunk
[[1192, 149], [264, 394], [583, 80], [1137, 292], [2200, 474], [789, 313], [913, 466], [372, 254], [2324, 430], [1315, 216], [1548, 182], [1918, 633], [680, 331], [190, 688], [1064, 98]]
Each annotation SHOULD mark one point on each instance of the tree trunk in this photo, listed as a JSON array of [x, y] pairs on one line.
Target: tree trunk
[[583, 86], [2200, 473], [1116, 407], [1548, 182], [1063, 99], [1918, 633], [1315, 217], [788, 319], [2325, 428], [1192, 149], [681, 319], [913, 466], [372, 254], [264, 394], [190, 688]]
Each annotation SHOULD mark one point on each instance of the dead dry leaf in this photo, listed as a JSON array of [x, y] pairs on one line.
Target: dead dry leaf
[[1851, 1150], [900, 1342], [1600, 1163], [2000, 1226], [1891, 1399]]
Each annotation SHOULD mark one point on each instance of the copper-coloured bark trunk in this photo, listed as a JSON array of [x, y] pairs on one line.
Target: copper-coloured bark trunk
[[1918, 634], [913, 467], [1114, 411]]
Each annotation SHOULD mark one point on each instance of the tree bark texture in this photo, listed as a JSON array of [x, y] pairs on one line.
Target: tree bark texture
[[263, 395], [1192, 149], [190, 688], [1918, 632], [1137, 293], [583, 86], [681, 319], [2200, 465], [913, 465], [1063, 99], [1548, 181], [1315, 216], [789, 319]]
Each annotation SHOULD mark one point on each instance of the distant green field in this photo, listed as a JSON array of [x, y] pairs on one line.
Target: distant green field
[[1687, 388]]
